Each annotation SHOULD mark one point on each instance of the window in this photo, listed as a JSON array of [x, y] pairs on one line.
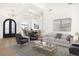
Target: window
[[62, 24]]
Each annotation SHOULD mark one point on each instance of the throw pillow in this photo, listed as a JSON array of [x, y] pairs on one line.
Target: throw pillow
[[69, 37], [58, 35]]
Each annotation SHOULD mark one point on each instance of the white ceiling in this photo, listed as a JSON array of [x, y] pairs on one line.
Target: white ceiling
[[50, 5], [25, 9]]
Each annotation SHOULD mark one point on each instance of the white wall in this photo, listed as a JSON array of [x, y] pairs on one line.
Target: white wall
[[21, 12], [60, 11], [75, 18]]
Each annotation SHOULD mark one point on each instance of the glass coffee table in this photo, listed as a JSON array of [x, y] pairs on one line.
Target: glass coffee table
[[45, 47]]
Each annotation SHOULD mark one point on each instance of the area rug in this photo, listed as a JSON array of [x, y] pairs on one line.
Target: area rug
[[28, 50]]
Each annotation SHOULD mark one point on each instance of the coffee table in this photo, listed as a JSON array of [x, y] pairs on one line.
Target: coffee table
[[45, 47]]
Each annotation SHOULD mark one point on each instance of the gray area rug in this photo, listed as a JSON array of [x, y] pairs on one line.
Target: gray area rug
[[28, 50]]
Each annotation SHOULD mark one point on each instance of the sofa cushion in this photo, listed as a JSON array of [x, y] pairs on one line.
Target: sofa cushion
[[64, 36], [61, 41], [53, 35], [58, 36]]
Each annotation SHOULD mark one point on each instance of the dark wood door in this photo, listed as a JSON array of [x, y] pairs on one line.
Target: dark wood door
[[9, 28]]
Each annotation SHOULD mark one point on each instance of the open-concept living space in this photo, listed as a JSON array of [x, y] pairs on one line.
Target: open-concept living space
[[39, 29]]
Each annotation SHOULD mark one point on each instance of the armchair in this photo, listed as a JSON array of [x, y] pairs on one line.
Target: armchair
[[74, 49], [20, 40], [33, 35]]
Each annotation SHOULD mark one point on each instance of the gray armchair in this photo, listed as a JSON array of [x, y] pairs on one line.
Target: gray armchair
[[74, 49], [33, 35], [20, 40]]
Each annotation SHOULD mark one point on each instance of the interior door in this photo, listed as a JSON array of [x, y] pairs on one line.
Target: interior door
[[9, 28]]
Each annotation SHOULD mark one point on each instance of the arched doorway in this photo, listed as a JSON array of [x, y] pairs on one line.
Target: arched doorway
[[9, 28]]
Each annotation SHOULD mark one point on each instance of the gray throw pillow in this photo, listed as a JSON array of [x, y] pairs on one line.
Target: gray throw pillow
[[58, 36]]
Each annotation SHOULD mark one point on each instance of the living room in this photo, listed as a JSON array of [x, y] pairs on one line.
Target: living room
[[55, 23]]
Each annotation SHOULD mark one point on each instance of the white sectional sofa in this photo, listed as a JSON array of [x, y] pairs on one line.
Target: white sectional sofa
[[59, 38]]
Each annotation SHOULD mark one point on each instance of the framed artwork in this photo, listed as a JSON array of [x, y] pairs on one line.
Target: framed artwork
[[36, 26]]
